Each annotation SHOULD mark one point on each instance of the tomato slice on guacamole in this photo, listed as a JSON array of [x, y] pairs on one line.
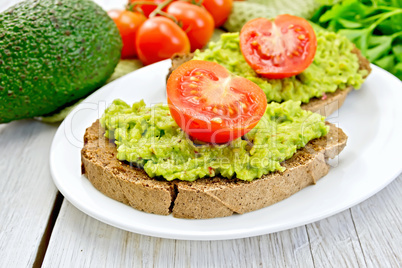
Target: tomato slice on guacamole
[[280, 48], [212, 105]]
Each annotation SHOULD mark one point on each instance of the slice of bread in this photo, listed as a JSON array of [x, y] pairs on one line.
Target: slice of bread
[[324, 106], [207, 197]]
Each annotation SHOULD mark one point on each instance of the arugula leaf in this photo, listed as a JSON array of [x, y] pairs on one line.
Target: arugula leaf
[[381, 45], [358, 36], [391, 25], [398, 70], [349, 24], [374, 26], [349, 9], [386, 62], [397, 50]]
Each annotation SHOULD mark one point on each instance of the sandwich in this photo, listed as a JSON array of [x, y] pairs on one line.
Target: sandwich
[[223, 144], [210, 196]]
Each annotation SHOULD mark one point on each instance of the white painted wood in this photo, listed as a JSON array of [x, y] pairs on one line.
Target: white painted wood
[[378, 222], [367, 235], [334, 242], [81, 241], [27, 193]]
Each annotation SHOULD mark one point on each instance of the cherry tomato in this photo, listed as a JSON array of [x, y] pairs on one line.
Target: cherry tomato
[[196, 22], [210, 104], [128, 23], [280, 48], [146, 9], [159, 38], [219, 9]]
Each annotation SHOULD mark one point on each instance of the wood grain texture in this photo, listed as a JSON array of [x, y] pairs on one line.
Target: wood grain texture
[[81, 241], [378, 222], [27, 193], [334, 242]]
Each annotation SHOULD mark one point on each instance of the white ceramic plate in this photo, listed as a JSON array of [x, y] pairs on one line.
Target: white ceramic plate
[[372, 118]]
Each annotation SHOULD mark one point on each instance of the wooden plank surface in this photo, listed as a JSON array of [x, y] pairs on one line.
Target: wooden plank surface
[[81, 241], [339, 241], [378, 221], [334, 242], [27, 192]]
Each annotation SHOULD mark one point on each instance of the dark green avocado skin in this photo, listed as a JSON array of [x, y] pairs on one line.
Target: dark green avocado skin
[[53, 52]]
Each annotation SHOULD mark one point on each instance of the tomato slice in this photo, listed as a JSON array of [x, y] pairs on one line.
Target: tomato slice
[[280, 48], [212, 105]]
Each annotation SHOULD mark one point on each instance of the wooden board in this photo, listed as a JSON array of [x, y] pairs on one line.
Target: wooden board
[[378, 221], [79, 240], [27, 192]]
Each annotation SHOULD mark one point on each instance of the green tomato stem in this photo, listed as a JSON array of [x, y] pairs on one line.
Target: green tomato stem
[[160, 7], [131, 6], [197, 3], [164, 14]]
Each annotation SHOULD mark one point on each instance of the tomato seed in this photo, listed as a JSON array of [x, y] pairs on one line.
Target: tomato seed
[[217, 120]]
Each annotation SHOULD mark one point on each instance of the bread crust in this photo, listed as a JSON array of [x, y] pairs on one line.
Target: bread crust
[[324, 106], [206, 197]]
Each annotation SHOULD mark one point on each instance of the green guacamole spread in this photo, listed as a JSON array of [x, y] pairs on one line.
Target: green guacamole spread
[[334, 66], [150, 138]]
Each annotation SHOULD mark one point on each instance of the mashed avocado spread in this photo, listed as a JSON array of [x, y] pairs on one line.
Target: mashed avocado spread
[[334, 66], [149, 137]]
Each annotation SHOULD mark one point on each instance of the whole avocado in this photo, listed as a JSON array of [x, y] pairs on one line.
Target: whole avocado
[[53, 52]]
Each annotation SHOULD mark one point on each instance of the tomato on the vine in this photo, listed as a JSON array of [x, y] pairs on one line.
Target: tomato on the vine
[[128, 23], [146, 8], [212, 105], [219, 9], [280, 48], [195, 21], [159, 38]]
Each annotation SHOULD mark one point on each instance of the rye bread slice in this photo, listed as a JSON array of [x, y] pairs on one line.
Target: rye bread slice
[[324, 106], [207, 197]]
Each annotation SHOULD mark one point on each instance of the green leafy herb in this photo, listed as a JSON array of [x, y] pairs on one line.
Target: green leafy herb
[[374, 26]]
